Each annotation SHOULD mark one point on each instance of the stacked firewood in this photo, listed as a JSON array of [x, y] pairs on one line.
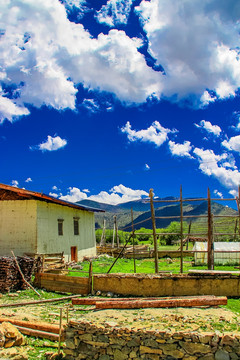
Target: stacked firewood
[[10, 278]]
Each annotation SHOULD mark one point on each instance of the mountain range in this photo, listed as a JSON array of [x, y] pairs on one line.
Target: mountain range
[[142, 213]]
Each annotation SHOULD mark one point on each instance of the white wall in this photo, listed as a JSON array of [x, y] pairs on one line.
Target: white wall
[[17, 227], [47, 230]]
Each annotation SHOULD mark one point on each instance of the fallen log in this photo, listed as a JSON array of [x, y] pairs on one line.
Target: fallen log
[[39, 333], [35, 302], [92, 301], [32, 325], [164, 303]]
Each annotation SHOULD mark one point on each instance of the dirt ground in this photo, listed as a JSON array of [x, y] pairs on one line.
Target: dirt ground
[[192, 319]]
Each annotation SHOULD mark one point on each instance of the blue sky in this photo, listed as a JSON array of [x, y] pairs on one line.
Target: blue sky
[[107, 99]]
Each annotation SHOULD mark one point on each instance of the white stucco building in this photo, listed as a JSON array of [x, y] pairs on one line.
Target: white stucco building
[[34, 223]]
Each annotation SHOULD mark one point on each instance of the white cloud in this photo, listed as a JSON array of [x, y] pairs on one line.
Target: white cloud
[[213, 129], [156, 133], [233, 143], [182, 150], [218, 193], [74, 195], [218, 166], [9, 109], [14, 183], [197, 43], [54, 194], [51, 144], [118, 194], [28, 180], [86, 191], [147, 167], [114, 12], [234, 193], [44, 55]]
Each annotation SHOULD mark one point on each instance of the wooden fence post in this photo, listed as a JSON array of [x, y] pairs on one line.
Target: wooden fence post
[[210, 235], [154, 230], [133, 238], [181, 229]]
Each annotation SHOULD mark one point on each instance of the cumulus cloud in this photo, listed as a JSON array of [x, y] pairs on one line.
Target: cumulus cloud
[[28, 180], [222, 167], [197, 44], [74, 195], [233, 143], [118, 194], [206, 125], [14, 183], [218, 193], [114, 12], [51, 144], [156, 133], [182, 150], [9, 109], [147, 167], [43, 56]]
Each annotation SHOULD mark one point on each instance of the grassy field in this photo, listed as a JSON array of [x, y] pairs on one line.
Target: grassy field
[[102, 265]]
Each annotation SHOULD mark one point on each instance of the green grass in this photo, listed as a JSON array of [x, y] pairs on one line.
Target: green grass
[[102, 265]]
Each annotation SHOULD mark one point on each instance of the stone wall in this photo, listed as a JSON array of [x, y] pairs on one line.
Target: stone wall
[[85, 340]]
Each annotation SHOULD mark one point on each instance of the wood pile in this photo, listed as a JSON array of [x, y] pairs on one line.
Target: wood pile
[[10, 278]]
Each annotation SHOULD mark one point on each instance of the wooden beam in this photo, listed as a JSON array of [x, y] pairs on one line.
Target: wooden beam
[[165, 303]]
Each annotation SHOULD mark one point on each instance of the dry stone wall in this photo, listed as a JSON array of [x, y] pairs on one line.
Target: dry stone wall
[[84, 340]]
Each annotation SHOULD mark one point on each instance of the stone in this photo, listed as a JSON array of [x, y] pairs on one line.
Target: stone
[[221, 355], [133, 342], [233, 356], [150, 342], [84, 337], [118, 355], [2, 338], [207, 357], [205, 339], [104, 357], [229, 340], [195, 348], [70, 343], [148, 350]]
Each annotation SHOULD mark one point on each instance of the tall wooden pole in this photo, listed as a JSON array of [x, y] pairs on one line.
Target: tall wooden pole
[[114, 230], [154, 230], [103, 237], [210, 236], [181, 229], [133, 238]]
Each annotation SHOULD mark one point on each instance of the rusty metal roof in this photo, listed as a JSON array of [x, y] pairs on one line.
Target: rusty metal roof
[[8, 192]]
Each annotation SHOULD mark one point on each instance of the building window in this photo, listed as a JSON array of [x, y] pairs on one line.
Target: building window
[[76, 225], [60, 226]]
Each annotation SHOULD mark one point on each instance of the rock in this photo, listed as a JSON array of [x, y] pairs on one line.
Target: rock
[[195, 348], [118, 355], [109, 294], [207, 357], [221, 355], [12, 335], [233, 356], [2, 337], [98, 293]]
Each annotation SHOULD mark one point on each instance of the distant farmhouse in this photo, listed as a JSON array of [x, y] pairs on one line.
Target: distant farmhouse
[[34, 223]]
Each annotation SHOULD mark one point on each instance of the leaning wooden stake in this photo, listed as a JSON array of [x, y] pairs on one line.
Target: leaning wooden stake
[[60, 331], [35, 302], [29, 285]]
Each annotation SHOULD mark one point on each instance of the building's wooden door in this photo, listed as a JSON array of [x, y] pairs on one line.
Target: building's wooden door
[[74, 255]]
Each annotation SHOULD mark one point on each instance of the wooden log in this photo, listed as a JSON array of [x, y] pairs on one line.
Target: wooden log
[[38, 333], [166, 303], [32, 325], [35, 302], [93, 301]]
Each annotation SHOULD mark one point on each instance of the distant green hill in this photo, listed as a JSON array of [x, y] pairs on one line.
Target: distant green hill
[[142, 213]]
